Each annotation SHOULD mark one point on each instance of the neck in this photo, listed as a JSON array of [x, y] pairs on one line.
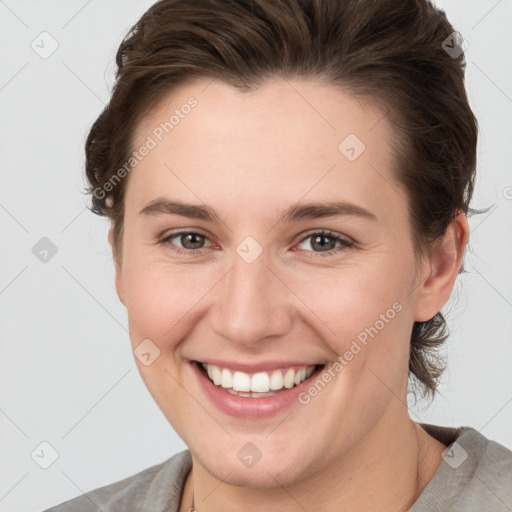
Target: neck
[[388, 470]]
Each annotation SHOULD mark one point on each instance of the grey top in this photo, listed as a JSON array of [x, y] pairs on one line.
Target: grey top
[[475, 476]]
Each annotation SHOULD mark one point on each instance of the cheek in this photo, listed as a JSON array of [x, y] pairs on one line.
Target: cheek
[[349, 300], [162, 303], [161, 298], [363, 316]]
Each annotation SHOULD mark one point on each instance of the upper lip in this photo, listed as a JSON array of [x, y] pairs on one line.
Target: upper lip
[[262, 366]]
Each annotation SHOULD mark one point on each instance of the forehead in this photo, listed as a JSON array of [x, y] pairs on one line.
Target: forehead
[[297, 106], [282, 141]]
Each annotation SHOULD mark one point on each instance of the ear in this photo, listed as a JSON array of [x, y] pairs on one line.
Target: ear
[[119, 276], [442, 269]]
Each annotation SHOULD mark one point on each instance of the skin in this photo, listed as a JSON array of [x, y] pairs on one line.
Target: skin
[[248, 156]]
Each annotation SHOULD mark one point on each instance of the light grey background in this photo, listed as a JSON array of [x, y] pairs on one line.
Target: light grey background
[[67, 373]]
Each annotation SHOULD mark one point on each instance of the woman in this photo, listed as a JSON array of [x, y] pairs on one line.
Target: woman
[[288, 183]]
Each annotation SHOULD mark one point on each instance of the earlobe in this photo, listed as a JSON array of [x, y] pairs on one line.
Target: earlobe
[[119, 283], [445, 263]]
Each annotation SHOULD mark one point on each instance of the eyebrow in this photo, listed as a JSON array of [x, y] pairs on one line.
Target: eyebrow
[[295, 212]]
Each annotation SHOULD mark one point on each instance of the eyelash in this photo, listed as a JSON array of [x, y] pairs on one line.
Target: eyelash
[[345, 243]]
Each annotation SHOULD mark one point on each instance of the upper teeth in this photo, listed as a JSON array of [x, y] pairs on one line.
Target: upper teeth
[[260, 382]]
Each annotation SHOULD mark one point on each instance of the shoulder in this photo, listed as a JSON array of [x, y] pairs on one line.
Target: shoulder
[[476, 475], [492, 471], [154, 489]]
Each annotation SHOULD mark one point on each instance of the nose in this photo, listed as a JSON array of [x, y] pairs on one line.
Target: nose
[[252, 303]]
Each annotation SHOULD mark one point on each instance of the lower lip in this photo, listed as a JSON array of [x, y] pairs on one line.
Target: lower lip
[[245, 407]]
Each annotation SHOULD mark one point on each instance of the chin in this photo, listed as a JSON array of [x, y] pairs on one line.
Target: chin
[[266, 473]]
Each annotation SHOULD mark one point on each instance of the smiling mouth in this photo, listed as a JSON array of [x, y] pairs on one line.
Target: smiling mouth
[[259, 384]]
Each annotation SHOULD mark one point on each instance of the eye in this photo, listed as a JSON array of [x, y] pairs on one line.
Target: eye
[[326, 241], [191, 241]]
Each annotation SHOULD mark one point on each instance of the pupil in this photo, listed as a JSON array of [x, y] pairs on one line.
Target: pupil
[[323, 247], [188, 237]]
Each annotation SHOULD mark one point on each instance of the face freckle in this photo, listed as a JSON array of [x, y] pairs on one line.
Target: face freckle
[[239, 169]]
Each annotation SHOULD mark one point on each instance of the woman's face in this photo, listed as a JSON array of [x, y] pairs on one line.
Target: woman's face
[[257, 289]]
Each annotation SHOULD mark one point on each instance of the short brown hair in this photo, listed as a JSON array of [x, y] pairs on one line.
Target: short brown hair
[[391, 52]]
